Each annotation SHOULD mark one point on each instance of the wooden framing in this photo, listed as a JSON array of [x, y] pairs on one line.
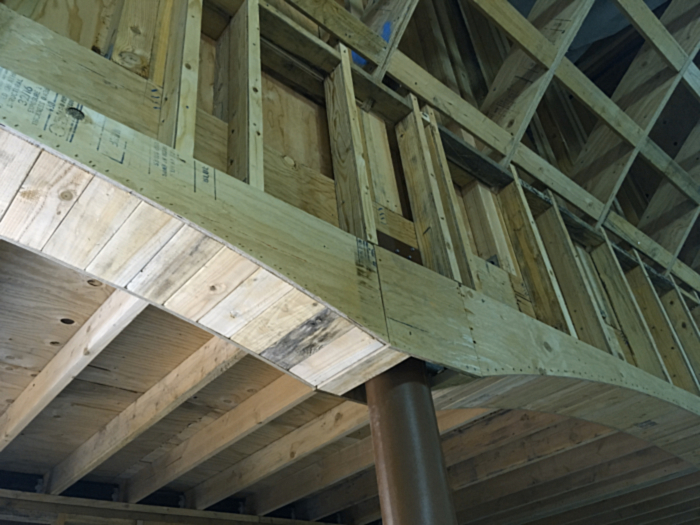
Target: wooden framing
[[354, 233]]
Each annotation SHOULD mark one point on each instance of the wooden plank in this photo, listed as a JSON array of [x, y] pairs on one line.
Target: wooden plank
[[333, 425], [187, 100], [105, 86], [577, 292], [534, 263], [222, 274], [394, 225], [97, 215], [134, 41], [245, 118], [342, 465], [396, 14], [645, 354], [432, 232], [183, 255], [194, 373], [667, 342], [454, 217], [45, 508], [93, 337], [352, 185], [18, 158], [684, 325], [47, 194], [141, 236], [250, 415]]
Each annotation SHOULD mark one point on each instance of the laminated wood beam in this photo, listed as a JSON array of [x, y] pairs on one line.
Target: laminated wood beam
[[352, 185], [250, 415], [331, 426], [201, 368], [669, 346], [576, 289], [245, 111], [433, 234], [643, 350], [103, 326]]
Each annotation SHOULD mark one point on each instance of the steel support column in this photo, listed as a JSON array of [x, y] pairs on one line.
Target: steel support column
[[413, 487]]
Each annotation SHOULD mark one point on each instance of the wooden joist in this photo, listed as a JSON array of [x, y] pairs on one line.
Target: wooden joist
[[197, 371], [92, 338]]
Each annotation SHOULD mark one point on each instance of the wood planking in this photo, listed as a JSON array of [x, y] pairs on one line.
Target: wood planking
[[432, 232], [141, 236], [575, 287], [104, 325], [534, 263], [194, 373], [17, 160], [48, 193], [352, 184], [684, 324], [459, 233], [96, 216], [133, 44], [276, 398], [669, 346], [245, 104], [189, 80], [642, 345], [334, 424]]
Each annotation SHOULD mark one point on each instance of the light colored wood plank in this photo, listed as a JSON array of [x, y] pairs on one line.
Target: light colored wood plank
[[432, 232], [45, 197], [645, 354], [684, 324], [250, 415], [212, 283], [178, 261], [245, 119], [189, 80], [18, 158], [333, 425], [379, 162], [535, 266], [575, 287], [352, 184], [141, 236], [134, 41], [96, 216], [194, 373], [93, 337], [669, 346]]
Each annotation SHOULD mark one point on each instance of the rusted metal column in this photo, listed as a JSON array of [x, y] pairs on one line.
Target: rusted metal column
[[411, 475]]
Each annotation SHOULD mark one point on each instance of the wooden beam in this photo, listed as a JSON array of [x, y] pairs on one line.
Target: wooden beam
[[194, 373], [245, 117], [576, 289], [189, 75], [644, 352], [352, 185], [296, 445], [44, 508], [105, 324], [667, 342], [341, 465], [276, 398], [684, 324], [432, 231]]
